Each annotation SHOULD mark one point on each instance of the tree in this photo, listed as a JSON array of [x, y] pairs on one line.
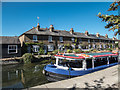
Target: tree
[[113, 21]]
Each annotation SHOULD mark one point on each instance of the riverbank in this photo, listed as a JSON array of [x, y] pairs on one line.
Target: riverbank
[[16, 60], [107, 78]]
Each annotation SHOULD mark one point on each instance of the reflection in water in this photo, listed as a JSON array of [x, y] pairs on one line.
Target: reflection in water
[[22, 76]]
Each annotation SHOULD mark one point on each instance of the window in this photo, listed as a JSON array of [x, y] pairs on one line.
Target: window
[[94, 41], [104, 46], [88, 40], [89, 46], [73, 46], [73, 39], [35, 48], [34, 37], [50, 38], [12, 49], [80, 40], [112, 41], [61, 39], [94, 46], [100, 46], [50, 47]]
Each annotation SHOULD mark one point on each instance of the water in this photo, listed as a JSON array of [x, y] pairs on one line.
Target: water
[[22, 76]]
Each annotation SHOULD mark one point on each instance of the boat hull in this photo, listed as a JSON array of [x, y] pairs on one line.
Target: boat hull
[[54, 74]]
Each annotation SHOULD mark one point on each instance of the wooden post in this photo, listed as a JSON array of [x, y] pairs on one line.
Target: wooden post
[[57, 61], [93, 63], [84, 64], [108, 60]]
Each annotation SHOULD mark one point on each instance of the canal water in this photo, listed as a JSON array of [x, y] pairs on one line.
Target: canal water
[[22, 76]]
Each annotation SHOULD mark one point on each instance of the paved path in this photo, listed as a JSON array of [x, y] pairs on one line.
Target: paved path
[[104, 78]]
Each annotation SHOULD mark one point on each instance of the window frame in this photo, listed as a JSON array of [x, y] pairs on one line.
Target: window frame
[[61, 39], [73, 39], [36, 46], [36, 38], [49, 38], [50, 47], [12, 49]]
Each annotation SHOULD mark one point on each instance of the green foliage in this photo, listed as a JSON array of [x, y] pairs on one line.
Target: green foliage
[[67, 46], [77, 50], [39, 56], [109, 49], [86, 51], [47, 61], [32, 43], [49, 53], [113, 21], [41, 51], [94, 50], [54, 52], [27, 58], [69, 51], [116, 45]]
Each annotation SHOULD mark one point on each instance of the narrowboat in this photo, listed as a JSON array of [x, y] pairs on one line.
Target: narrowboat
[[72, 65]]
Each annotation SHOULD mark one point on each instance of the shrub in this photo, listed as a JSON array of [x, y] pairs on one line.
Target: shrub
[[69, 51], [41, 51], [86, 51], [39, 56], [49, 53], [94, 50], [109, 49], [27, 58], [77, 50], [54, 52]]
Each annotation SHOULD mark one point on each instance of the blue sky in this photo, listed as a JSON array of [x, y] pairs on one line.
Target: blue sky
[[81, 16]]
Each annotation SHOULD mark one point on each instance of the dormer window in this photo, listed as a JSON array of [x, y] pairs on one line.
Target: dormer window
[[80, 40], [50, 38], [73, 39], [88, 40], [61, 39], [34, 37], [94, 41]]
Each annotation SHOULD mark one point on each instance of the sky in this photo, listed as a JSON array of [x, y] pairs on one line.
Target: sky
[[19, 17]]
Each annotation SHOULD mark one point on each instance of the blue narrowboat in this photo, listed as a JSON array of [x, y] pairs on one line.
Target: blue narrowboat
[[72, 65]]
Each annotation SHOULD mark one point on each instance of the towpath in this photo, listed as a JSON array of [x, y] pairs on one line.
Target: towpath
[[101, 79]]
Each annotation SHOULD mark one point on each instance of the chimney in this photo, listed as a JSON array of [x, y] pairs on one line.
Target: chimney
[[33, 27], [51, 28], [106, 36], [86, 33], [38, 27], [46, 28], [113, 38], [71, 31], [97, 35]]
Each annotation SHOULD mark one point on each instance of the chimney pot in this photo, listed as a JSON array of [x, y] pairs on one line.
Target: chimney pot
[[71, 31], [86, 33], [97, 35], [38, 26], [51, 28], [106, 36]]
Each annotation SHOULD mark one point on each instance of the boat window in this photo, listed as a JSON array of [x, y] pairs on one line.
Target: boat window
[[72, 64], [113, 60], [100, 61]]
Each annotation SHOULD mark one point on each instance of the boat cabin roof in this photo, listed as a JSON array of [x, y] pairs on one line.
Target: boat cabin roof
[[82, 56]]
